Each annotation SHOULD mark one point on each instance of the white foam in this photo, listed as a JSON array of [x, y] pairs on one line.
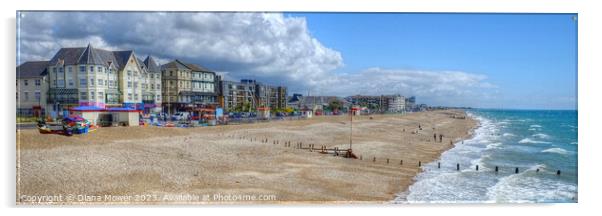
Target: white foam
[[535, 126], [532, 129], [573, 143], [494, 146], [541, 135], [508, 135], [530, 141], [528, 187], [556, 150]]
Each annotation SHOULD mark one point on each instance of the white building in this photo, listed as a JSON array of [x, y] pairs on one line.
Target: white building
[[32, 88], [396, 103]]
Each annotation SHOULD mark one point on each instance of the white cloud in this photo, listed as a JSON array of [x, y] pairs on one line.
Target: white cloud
[[439, 87]]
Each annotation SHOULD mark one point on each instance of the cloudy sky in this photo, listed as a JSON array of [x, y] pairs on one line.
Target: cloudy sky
[[478, 60]]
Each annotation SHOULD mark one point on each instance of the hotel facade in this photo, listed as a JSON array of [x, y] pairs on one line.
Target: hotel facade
[[87, 76], [187, 87]]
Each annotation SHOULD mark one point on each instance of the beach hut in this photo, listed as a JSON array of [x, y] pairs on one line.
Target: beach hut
[[263, 113], [356, 111], [108, 116], [307, 113]]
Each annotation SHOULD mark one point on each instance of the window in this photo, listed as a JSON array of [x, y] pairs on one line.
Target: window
[[158, 86], [100, 82], [26, 95], [135, 84], [37, 95], [83, 96], [54, 70], [129, 73], [135, 96], [83, 83], [106, 83], [69, 69], [129, 84], [38, 82], [91, 81], [101, 95], [171, 73], [70, 82], [25, 82], [82, 69], [92, 96], [61, 70], [91, 68], [99, 69], [129, 96], [61, 83], [152, 76], [152, 86], [54, 83]]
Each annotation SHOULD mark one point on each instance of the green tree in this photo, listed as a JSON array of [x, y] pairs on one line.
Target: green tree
[[335, 105]]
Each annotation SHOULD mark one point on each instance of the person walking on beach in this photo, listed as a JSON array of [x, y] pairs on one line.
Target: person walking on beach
[[440, 137], [435, 137]]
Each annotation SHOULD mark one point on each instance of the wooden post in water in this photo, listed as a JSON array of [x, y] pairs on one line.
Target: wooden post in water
[[458, 167], [477, 168], [400, 162], [374, 159], [438, 164], [419, 163], [496, 169], [558, 172], [516, 170], [387, 160]]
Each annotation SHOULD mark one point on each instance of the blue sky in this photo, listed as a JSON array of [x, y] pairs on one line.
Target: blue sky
[[531, 58], [523, 61]]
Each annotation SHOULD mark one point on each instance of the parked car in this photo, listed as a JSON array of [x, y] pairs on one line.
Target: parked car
[[180, 116]]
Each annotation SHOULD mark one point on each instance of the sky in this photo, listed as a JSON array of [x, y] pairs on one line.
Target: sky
[[518, 61]]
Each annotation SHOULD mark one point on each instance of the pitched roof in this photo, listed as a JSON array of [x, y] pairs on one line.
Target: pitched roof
[[122, 58], [175, 64], [151, 65], [91, 55], [195, 67], [32, 69]]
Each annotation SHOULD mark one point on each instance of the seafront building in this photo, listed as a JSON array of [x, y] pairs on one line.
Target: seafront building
[[32, 88], [248, 95], [88, 76], [151, 86], [380, 104], [188, 87]]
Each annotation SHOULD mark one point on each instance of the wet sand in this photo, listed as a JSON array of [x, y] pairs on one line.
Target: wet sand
[[152, 165]]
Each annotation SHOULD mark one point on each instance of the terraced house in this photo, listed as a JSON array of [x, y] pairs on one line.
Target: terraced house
[[87, 76], [187, 87], [32, 88]]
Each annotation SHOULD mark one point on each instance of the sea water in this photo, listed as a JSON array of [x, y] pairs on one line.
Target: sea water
[[538, 143]]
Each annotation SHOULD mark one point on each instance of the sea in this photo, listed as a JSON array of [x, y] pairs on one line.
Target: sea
[[537, 142]]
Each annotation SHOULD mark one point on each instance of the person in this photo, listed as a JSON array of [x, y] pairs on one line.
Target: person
[[440, 137], [435, 137]]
